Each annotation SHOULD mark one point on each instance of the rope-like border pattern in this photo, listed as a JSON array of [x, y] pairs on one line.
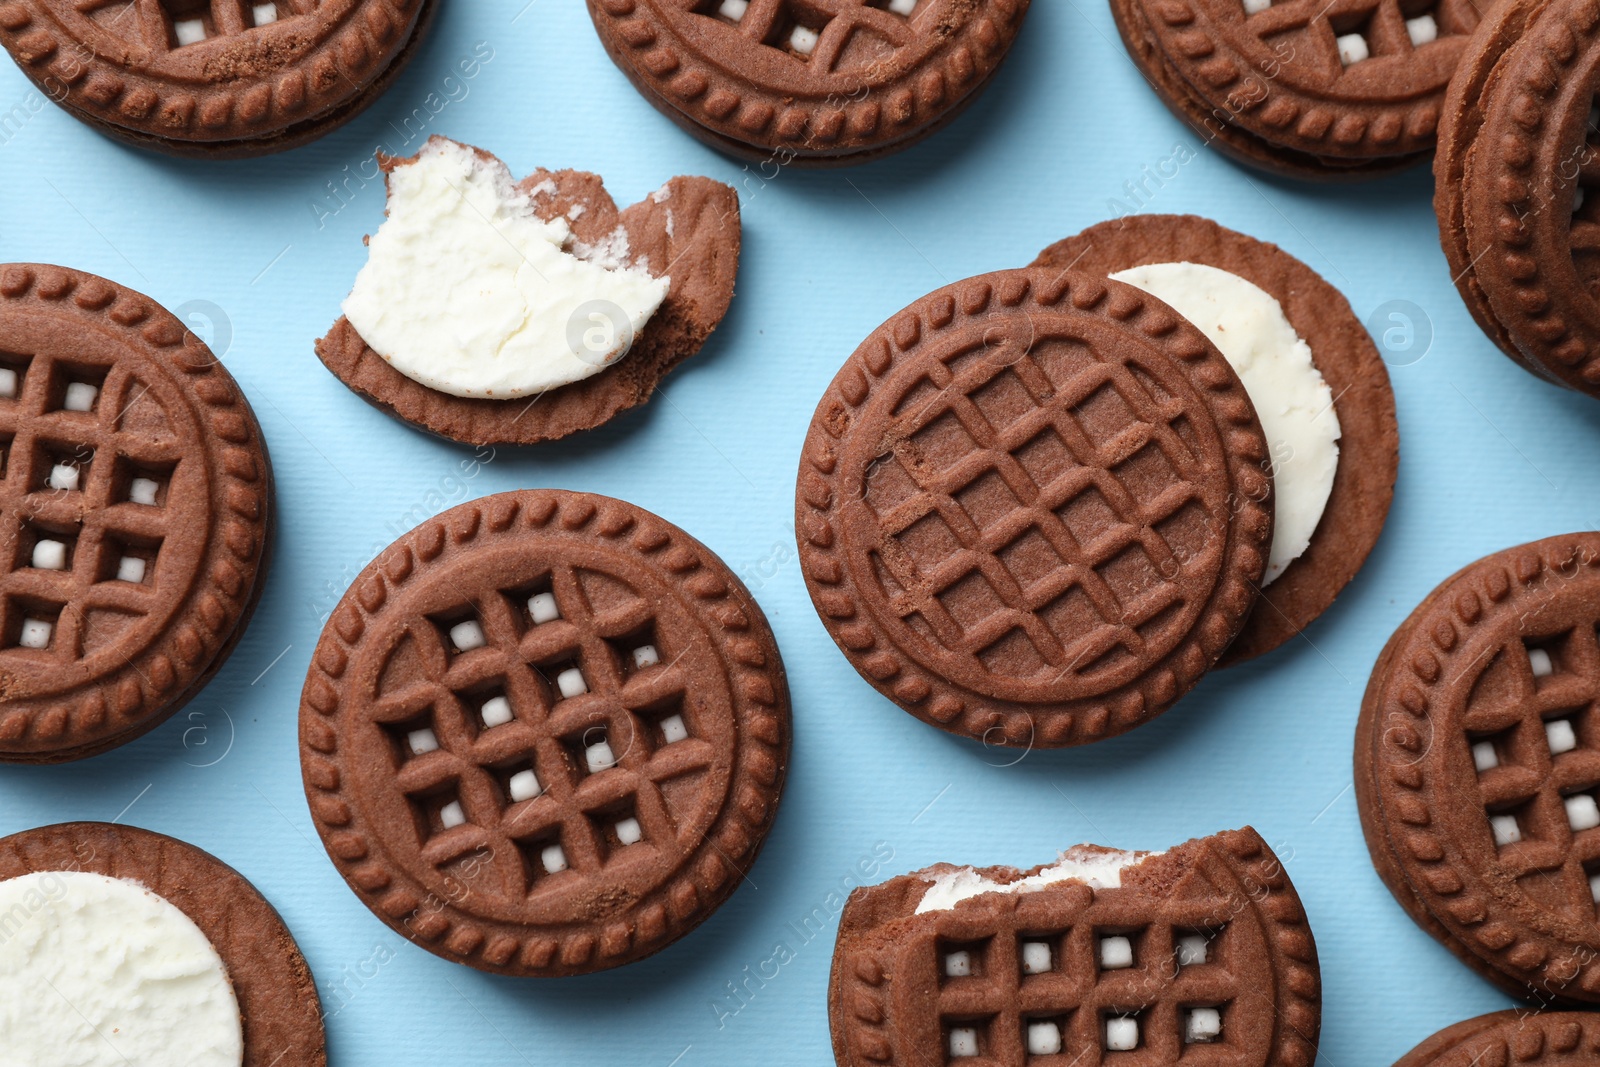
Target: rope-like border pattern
[[1412, 797], [336, 70], [1513, 1036], [855, 114], [706, 876], [943, 702], [155, 683]]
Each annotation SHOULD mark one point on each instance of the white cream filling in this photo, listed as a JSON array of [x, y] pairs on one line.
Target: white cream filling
[[468, 292], [1096, 868], [1290, 396], [101, 972]]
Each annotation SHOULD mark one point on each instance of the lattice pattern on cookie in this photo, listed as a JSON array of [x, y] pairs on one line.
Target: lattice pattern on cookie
[[1326, 38], [1109, 983], [88, 498], [546, 733], [1034, 511], [830, 35], [164, 25], [1584, 237], [1532, 729]]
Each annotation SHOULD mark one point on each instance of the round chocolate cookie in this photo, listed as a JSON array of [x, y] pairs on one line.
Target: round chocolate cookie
[[1301, 87], [1200, 954], [213, 79], [1031, 508], [1519, 156], [545, 733], [1477, 767], [688, 230], [135, 509], [279, 1010], [809, 82], [1537, 1038], [1341, 349]]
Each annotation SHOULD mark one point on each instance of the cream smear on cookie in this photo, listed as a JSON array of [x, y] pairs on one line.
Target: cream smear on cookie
[[470, 293], [1097, 868], [98, 971], [1290, 396]]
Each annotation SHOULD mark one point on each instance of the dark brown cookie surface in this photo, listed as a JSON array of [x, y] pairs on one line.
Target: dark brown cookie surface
[[545, 733], [135, 508], [278, 1004], [1201, 954], [1516, 177], [1265, 82], [1369, 445], [1478, 767], [1542, 1038], [1030, 508], [809, 81], [218, 80], [689, 231]]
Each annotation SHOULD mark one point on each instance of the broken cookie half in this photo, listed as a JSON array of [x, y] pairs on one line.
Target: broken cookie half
[[1200, 954], [492, 311]]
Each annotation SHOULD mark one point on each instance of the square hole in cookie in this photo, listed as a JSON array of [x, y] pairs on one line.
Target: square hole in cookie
[[1583, 812], [616, 827], [903, 8], [732, 11], [963, 959], [1038, 955], [518, 780], [61, 467], [491, 703], [439, 810], [1561, 734], [1591, 874], [544, 857], [1255, 7], [13, 369], [461, 631], [75, 387], [144, 484], [1201, 1024], [1543, 657], [1196, 948], [539, 604], [264, 14], [31, 624], [1045, 1036], [967, 1039], [128, 558], [46, 547], [1117, 950], [593, 749], [413, 738], [1511, 824], [1123, 1031]]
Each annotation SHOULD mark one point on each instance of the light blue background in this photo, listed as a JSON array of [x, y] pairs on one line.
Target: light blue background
[[1490, 457]]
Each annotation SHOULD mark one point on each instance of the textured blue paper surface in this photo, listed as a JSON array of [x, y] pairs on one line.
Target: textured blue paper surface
[[259, 254]]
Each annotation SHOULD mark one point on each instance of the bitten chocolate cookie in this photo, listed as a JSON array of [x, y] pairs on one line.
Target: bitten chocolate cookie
[[1519, 150], [1540, 1038], [135, 509], [1031, 508], [1199, 954], [545, 733], [213, 79], [122, 946], [1333, 489], [809, 82], [499, 313], [1301, 87], [1477, 767]]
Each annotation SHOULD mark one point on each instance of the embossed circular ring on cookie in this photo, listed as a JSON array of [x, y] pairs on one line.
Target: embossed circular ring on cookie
[[1199, 954], [545, 733], [1031, 508], [130, 911], [1302, 87], [1538, 1038], [135, 509], [1518, 165], [214, 79], [810, 82], [1477, 767], [1339, 511]]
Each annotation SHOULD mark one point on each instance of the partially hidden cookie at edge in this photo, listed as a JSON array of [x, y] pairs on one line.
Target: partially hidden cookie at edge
[[545, 733], [1516, 177], [1542, 1038], [1201, 953], [137, 504], [1360, 399], [220, 80], [132, 907], [1476, 768], [794, 81], [1299, 88], [685, 236], [1031, 508]]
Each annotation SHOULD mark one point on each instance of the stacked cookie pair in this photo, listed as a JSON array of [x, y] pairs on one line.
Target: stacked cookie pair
[[1035, 507]]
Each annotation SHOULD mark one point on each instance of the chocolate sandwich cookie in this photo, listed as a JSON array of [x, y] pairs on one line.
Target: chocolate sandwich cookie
[[1302, 87], [122, 946], [1200, 954], [213, 79], [809, 82], [1032, 509], [1519, 151], [135, 509], [1477, 767], [1542, 1039], [545, 733], [1328, 409], [449, 329]]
